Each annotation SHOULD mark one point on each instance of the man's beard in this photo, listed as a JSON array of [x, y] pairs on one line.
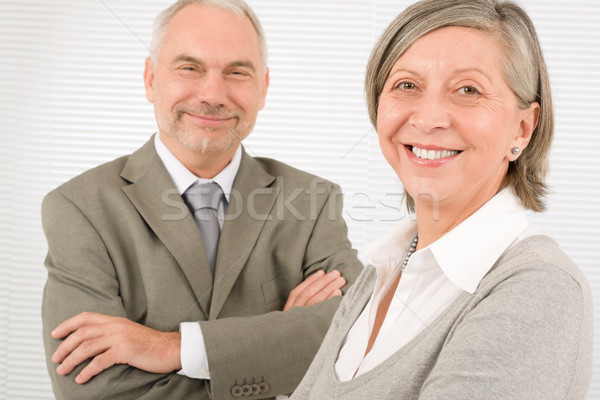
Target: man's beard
[[206, 140]]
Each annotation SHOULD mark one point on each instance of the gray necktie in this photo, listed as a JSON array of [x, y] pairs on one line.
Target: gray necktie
[[203, 200]]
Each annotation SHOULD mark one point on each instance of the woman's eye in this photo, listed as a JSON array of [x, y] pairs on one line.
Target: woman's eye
[[469, 90], [406, 86]]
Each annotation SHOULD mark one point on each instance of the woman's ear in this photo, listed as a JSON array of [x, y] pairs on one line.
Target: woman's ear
[[528, 121]]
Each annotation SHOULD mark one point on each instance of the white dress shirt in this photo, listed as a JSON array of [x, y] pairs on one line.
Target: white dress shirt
[[194, 362], [434, 277], [184, 178]]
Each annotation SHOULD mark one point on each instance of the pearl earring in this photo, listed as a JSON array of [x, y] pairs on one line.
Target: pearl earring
[[515, 150]]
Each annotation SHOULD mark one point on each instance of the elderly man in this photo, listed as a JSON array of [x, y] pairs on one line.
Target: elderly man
[[146, 299]]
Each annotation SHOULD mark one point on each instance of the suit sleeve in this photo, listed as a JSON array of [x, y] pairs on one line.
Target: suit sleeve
[[277, 347], [363, 284], [81, 277]]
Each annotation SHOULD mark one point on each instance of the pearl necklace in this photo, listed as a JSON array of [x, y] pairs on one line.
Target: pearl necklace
[[411, 250]]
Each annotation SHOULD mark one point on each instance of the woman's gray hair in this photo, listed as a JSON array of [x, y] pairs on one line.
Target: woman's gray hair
[[238, 7], [523, 67]]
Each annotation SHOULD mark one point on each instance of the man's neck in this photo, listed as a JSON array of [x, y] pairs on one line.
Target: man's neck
[[203, 165]]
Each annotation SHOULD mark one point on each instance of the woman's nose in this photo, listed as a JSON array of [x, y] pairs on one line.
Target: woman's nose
[[430, 114]]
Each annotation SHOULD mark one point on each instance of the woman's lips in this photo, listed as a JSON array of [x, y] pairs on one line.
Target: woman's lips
[[430, 156]]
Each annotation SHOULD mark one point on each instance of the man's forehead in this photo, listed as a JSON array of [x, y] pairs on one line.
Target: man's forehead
[[199, 18], [210, 25]]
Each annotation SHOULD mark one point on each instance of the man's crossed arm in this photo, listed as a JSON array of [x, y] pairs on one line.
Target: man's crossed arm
[[112, 340]]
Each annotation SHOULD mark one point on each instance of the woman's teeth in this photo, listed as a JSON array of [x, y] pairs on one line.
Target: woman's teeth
[[433, 154]]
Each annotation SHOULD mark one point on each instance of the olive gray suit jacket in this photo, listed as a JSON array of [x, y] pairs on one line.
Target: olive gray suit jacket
[[121, 242]]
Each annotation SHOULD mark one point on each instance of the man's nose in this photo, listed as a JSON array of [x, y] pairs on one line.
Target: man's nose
[[211, 89]]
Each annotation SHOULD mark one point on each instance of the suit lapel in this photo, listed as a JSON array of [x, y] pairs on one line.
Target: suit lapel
[[251, 201], [153, 194]]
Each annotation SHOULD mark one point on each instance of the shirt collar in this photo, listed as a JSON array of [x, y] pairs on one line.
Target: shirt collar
[[480, 240], [467, 252], [184, 178]]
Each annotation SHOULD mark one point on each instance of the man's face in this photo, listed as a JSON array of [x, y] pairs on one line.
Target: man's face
[[208, 82]]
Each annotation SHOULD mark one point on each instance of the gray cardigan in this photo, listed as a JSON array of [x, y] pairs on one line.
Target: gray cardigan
[[526, 333]]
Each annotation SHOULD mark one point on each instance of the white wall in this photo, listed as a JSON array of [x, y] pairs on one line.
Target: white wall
[[72, 97]]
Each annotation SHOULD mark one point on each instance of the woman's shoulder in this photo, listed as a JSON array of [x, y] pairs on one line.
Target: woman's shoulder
[[536, 275], [538, 257], [536, 295]]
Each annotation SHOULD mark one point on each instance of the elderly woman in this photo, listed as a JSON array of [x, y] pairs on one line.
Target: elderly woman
[[469, 301]]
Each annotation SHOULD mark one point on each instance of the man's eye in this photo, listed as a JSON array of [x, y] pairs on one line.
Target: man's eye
[[469, 90]]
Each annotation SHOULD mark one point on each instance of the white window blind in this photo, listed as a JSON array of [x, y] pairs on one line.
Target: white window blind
[[72, 97]]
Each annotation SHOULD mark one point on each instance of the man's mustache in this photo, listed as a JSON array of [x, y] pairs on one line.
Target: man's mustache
[[206, 110]]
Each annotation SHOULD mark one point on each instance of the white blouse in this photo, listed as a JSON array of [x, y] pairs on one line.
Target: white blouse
[[434, 277]]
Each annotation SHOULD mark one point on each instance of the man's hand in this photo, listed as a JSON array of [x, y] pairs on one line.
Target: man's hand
[[113, 340], [316, 288]]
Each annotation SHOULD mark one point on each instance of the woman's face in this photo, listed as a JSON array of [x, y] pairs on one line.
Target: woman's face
[[447, 120]]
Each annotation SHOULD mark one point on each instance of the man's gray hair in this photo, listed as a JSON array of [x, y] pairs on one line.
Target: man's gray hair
[[522, 64], [238, 7]]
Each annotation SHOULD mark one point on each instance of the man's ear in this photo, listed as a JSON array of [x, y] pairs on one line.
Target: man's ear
[[265, 88], [529, 119], [149, 79]]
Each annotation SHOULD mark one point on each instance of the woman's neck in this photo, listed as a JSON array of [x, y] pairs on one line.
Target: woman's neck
[[434, 220]]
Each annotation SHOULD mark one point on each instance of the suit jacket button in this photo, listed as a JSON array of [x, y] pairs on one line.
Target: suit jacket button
[[247, 390], [255, 388], [236, 391], [264, 387]]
